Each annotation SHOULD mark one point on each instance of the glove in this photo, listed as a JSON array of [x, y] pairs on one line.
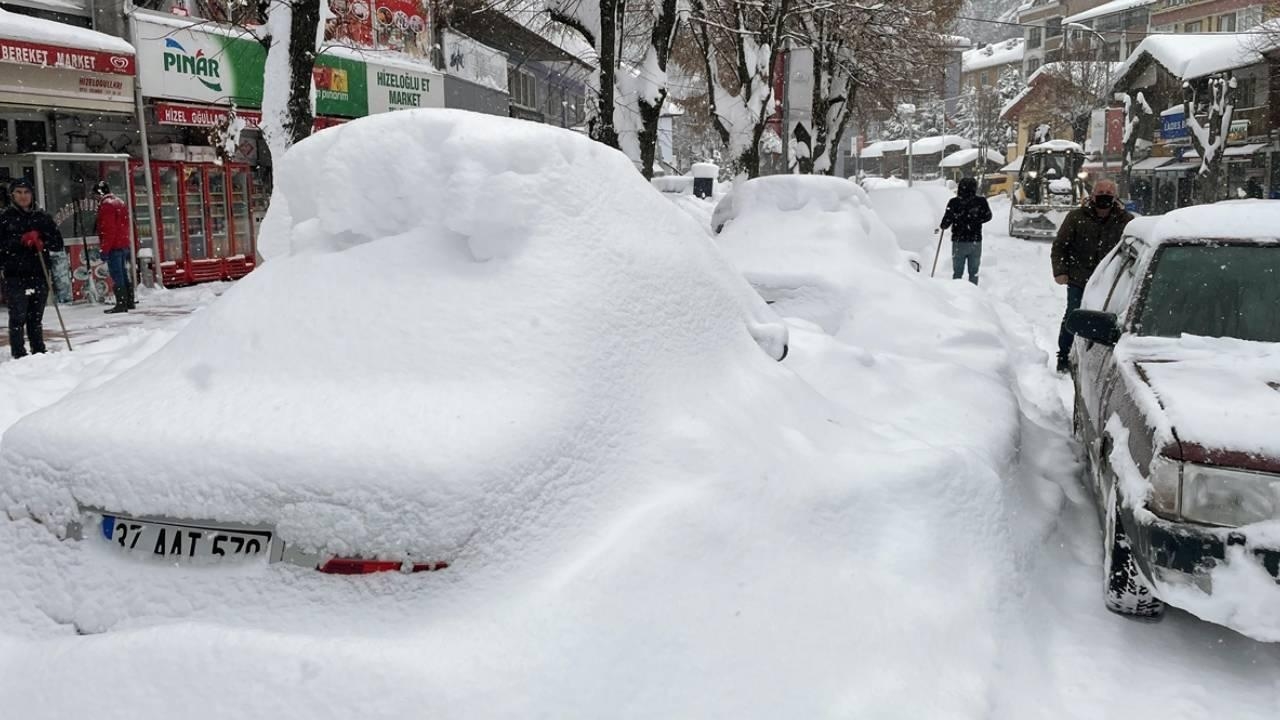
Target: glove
[[31, 240]]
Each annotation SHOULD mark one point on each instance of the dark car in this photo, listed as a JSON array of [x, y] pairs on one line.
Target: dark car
[[1176, 366]]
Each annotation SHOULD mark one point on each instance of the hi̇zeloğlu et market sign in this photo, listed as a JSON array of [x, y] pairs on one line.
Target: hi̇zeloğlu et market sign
[[207, 64]]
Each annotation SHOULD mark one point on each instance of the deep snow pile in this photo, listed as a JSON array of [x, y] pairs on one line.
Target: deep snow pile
[[913, 213], [456, 337], [804, 243]]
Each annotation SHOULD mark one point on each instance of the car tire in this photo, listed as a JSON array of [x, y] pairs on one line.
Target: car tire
[[1125, 591]]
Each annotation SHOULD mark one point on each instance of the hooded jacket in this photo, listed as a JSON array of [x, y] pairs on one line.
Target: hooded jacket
[[19, 262], [966, 212], [113, 224]]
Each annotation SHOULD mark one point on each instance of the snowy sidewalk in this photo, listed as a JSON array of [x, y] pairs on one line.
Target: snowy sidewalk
[[87, 323]]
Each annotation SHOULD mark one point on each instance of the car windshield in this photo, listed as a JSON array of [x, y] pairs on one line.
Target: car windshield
[[1215, 291]]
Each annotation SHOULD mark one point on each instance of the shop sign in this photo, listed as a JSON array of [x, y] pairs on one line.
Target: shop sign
[[1173, 125], [67, 88], [198, 116], [21, 52], [397, 25], [199, 65], [473, 61], [395, 88], [1239, 131], [195, 64]]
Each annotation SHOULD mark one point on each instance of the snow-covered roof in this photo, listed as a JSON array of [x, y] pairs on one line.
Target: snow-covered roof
[[1107, 8], [1251, 219], [938, 143], [1056, 146], [964, 157], [1191, 56], [24, 27], [1007, 52], [1014, 166], [880, 147], [386, 58], [1151, 163]]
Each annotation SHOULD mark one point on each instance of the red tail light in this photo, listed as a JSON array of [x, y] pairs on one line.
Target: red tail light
[[361, 566]]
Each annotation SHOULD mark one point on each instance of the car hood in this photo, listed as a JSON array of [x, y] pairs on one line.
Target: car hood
[[1213, 395]]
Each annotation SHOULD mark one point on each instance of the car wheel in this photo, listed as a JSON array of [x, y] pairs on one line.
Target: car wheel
[[1125, 590]]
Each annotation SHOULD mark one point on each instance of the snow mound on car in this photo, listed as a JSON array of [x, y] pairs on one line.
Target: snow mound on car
[[804, 242], [467, 323]]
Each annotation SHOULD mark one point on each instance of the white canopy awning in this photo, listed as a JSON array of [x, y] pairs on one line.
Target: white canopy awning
[[1151, 163]]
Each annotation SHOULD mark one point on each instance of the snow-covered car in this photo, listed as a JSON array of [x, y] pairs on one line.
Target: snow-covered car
[[442, 322], [806, 242], [1176, 366]]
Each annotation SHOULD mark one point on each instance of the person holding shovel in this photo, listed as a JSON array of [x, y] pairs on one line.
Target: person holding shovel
[[965, 215], [27, 234]]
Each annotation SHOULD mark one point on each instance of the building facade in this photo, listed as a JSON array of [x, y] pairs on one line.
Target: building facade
[[1204, 16]]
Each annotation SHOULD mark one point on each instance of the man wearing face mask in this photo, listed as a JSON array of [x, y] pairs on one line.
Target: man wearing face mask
[[1087, 234]]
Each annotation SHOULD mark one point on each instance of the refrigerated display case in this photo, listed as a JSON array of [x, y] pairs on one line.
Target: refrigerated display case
[[206, 222]]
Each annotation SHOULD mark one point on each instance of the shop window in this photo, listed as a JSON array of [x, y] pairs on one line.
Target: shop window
[[1227, 23], [30, 136]]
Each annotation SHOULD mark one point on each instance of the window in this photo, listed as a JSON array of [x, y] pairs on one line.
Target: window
[[1193, 27], [521, 85], [31, 136], [1053, 28], [1246, 93], [1227, 23], [1033, 37], [984, 80], [1214, 291]]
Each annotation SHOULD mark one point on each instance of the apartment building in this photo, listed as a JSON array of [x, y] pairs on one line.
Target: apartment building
[[1202, 16]]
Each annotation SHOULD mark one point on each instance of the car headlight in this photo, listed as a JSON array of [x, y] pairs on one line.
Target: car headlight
[[1031, 175], [1165, 477], [1217, 496]]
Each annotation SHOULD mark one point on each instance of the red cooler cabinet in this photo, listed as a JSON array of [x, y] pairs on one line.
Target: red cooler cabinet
[[206, 228]]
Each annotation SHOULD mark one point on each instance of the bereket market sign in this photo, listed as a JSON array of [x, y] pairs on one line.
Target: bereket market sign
[[21, 52], [75, 78], [194, 64]]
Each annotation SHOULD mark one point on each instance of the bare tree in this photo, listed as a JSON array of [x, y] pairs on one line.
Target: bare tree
[[1213, 99]]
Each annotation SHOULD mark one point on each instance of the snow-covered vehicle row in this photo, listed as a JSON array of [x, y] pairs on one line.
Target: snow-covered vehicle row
[[427, 361], [1177, 377]]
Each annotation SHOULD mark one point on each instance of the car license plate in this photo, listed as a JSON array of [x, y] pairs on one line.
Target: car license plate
[[184, 542]]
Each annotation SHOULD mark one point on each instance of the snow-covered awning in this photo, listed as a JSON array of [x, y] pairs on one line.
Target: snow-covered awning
[[49, 64], [1107, 8], [1151, 163], [879, 148], [1242, 150], [1178, 167], [967, 157]]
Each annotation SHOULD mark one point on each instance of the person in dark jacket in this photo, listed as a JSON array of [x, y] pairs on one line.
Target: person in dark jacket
[[965, 215], [1087, 234], [113, 243], [27, 234]]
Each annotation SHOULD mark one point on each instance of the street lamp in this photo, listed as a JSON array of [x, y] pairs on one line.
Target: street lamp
[[908, 111]]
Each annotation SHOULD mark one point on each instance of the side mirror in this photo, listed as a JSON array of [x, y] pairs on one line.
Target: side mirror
[[1100, 327]]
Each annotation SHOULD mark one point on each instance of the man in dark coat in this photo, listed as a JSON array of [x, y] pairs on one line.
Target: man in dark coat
[[966, 213], [1087, 234], [27, 234]]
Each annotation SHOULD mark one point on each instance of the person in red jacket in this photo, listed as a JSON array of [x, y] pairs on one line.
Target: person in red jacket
[[113, 243]]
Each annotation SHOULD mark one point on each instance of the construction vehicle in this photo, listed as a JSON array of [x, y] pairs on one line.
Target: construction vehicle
[[1051, 183]]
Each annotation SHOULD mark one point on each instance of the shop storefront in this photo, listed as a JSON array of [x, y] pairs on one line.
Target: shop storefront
[[191, 76], [66, 122]]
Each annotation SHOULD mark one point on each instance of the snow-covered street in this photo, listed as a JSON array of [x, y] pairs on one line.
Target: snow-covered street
[[940, 561]]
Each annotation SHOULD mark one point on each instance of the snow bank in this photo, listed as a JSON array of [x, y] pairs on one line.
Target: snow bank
[[449, 322], [803, 242], [913, 213]]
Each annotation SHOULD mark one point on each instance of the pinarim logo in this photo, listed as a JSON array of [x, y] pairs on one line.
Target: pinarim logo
[[204, 69]]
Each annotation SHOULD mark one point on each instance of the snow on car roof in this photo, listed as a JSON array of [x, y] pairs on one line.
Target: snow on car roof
[[24, 27], [1056, 146], [1230, 219]]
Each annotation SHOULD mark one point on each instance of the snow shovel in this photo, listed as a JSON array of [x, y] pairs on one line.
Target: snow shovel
[[941, 234], [48, 281]]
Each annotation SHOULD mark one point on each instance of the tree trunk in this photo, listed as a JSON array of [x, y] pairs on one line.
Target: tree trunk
[[649, 117], [302, 62], [651, 114], [604, 130]]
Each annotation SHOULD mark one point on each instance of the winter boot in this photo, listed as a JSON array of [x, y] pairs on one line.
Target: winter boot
[[1064, 365], [129, 298], [122, 303]]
